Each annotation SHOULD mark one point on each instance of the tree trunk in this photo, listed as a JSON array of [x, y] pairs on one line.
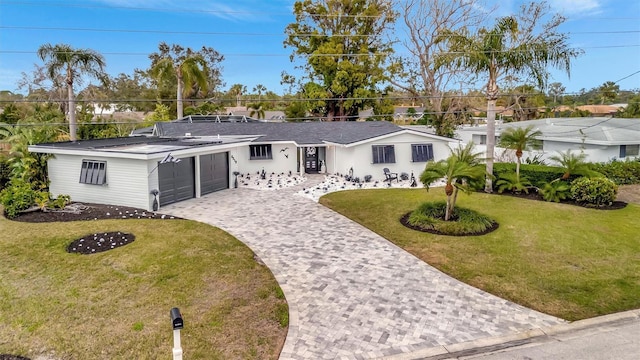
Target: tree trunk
[[492, 96], [73, 128], [179, 105], [518, 165], [447, 212]]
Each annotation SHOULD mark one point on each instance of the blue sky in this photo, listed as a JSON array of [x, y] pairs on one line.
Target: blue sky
[[249, 33]]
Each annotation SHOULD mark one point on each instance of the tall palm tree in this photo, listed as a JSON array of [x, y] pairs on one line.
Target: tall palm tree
[[260, 89], [457, 174], [190, 70], [574, 164], [520, 139], [507, 49], [73, 63]]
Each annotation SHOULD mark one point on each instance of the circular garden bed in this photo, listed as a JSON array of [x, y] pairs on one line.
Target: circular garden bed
[[429, 217]]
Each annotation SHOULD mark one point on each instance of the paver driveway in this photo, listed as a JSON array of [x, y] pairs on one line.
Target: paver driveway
[[351, 293]]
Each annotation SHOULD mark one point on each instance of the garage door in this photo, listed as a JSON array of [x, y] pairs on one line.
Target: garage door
[[214, 172], [177, 181]]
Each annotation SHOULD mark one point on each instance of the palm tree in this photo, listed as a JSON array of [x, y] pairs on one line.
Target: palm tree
[[257, 110], [520, 139], [574, 164], [505, 49], [73, 62], [457, 173], [188, 70], [260, 89]]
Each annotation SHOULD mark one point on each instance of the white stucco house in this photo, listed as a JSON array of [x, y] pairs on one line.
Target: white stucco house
[[602, 139], [191, 157]]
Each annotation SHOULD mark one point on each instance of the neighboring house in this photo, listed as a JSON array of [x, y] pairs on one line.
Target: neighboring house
[[594, 110], [121, 171], [601, 138]]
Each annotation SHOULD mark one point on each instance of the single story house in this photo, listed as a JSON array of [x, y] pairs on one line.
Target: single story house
[[191, 157], [602, 139]]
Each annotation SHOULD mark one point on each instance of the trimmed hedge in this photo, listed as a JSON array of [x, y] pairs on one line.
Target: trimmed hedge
[[537, 174], [620, 172]]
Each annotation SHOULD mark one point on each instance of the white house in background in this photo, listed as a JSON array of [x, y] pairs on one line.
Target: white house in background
[[126, 171], [602, 139]]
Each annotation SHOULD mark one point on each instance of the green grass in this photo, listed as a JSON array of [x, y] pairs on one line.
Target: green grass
[[116, 304], [563, 260]]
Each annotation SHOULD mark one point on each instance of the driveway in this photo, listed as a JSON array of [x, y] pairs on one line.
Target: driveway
[[351, 293]]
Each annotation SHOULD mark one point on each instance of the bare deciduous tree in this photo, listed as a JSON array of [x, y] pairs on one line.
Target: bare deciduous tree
[[422, 76]]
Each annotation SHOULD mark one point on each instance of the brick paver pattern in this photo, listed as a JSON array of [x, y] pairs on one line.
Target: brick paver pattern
[[351, 293]]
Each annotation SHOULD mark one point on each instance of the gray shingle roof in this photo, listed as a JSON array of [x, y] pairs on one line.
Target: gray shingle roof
[[301, 133], [602, 130]]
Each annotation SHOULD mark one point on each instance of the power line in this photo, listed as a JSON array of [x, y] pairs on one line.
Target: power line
[[628, 76], [178, 32], [322, 55]]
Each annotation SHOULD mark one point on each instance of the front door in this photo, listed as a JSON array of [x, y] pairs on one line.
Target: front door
[[311, 160]]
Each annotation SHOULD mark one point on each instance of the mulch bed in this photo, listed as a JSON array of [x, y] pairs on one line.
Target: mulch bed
[[90, 212], [404, 220], [95, 242], [616, 205], [99, 242]]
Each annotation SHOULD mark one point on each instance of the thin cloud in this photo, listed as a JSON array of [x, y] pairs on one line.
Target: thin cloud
[[218, 9], [577, 7]]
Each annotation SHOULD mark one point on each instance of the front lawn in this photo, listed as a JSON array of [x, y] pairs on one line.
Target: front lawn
[[115, 304], [563, 260]]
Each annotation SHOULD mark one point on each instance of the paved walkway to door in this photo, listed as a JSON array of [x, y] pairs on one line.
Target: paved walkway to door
[[351, 293]]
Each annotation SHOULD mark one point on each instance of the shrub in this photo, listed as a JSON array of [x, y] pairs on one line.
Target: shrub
[[620, 172], [555, 191], [594, 191], [510, 182], [18, 196], [430, 216], [537, 174], [5, 172]]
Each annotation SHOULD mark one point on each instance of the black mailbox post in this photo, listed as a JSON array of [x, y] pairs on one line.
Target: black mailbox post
[[176, 319]]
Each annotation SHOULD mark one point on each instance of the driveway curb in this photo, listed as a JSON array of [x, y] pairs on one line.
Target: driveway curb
[[539, 335]]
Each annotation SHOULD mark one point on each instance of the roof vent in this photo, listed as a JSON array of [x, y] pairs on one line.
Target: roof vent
[[187, 134]]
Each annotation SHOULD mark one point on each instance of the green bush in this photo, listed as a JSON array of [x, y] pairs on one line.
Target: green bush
[[537, 174], [594, 191], [556, 190], [620, 172], [430, 216], [18, 196], [5, 172]]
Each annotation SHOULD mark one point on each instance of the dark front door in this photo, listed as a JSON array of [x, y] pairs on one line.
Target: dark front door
[[311, 160], [214, 172], [177, 181]]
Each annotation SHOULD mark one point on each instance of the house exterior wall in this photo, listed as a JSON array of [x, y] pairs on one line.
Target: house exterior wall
[[279, 162], [360, 157], [127, 181], [595, 153]]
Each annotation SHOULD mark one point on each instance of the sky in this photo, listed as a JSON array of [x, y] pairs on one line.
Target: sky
[[250, 35]]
